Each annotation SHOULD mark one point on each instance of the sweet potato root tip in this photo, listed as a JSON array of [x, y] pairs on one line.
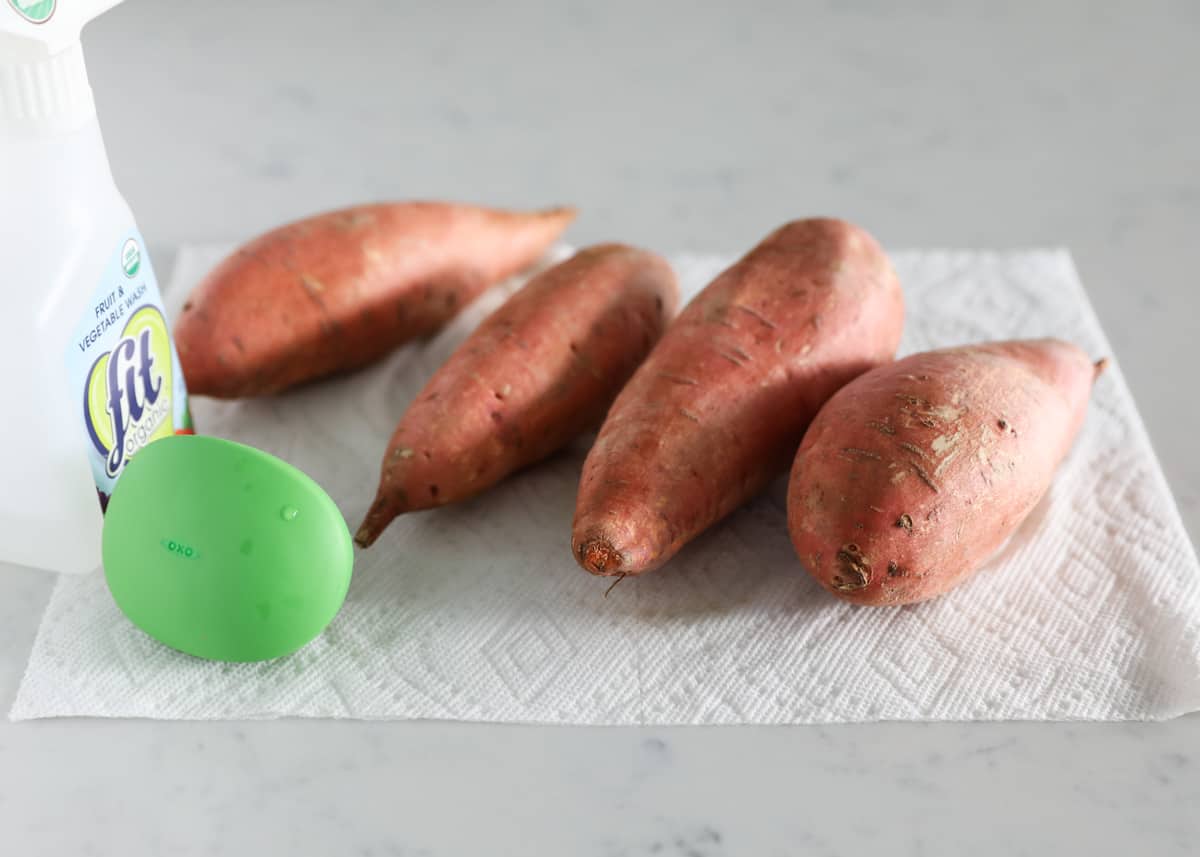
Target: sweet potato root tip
[[600, 558], [366, 535], [560, 212], [613, 586], [381, 513]]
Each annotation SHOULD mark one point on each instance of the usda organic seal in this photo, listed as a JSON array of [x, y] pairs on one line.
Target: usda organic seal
[[131, 257]]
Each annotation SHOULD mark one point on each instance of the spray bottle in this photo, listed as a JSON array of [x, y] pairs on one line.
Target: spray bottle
[[89, 372]]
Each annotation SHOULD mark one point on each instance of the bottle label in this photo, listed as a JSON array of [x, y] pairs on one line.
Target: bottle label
[[123, 368]]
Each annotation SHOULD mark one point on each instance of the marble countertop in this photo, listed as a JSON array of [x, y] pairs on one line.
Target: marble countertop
[[682, 126]]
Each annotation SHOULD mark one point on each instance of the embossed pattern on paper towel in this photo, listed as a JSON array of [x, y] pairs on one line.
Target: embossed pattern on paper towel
[[477, 611]]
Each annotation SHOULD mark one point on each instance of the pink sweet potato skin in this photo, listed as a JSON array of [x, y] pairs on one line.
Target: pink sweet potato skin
[[912, 475], [340, 290], [720, 406], [539, 371]]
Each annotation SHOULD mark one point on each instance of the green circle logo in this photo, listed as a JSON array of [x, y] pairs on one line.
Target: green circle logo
[[131, 258], [34, 11]]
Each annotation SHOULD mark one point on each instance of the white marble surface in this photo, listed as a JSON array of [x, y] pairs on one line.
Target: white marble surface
[[680, 125]]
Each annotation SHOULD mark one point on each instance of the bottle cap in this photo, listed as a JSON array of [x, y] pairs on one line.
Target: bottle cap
[[224, 552], [43, 82]]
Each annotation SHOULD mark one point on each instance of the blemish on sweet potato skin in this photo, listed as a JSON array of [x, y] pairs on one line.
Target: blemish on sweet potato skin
[[854, 569], [974, 477]]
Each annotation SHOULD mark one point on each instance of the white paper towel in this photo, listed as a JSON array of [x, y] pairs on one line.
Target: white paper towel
[[478, 612]]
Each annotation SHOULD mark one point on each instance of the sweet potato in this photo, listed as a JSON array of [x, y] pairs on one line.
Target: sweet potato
[[720, 405], [540, 370], [340, 290], [915, 473]]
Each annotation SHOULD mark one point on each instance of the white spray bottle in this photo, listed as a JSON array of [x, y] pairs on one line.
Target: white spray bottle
[[90, 374]]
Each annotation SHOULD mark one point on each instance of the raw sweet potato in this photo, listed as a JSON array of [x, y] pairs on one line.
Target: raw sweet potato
[[915, 473], [340, 290], [540, 370], [720, 405]]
